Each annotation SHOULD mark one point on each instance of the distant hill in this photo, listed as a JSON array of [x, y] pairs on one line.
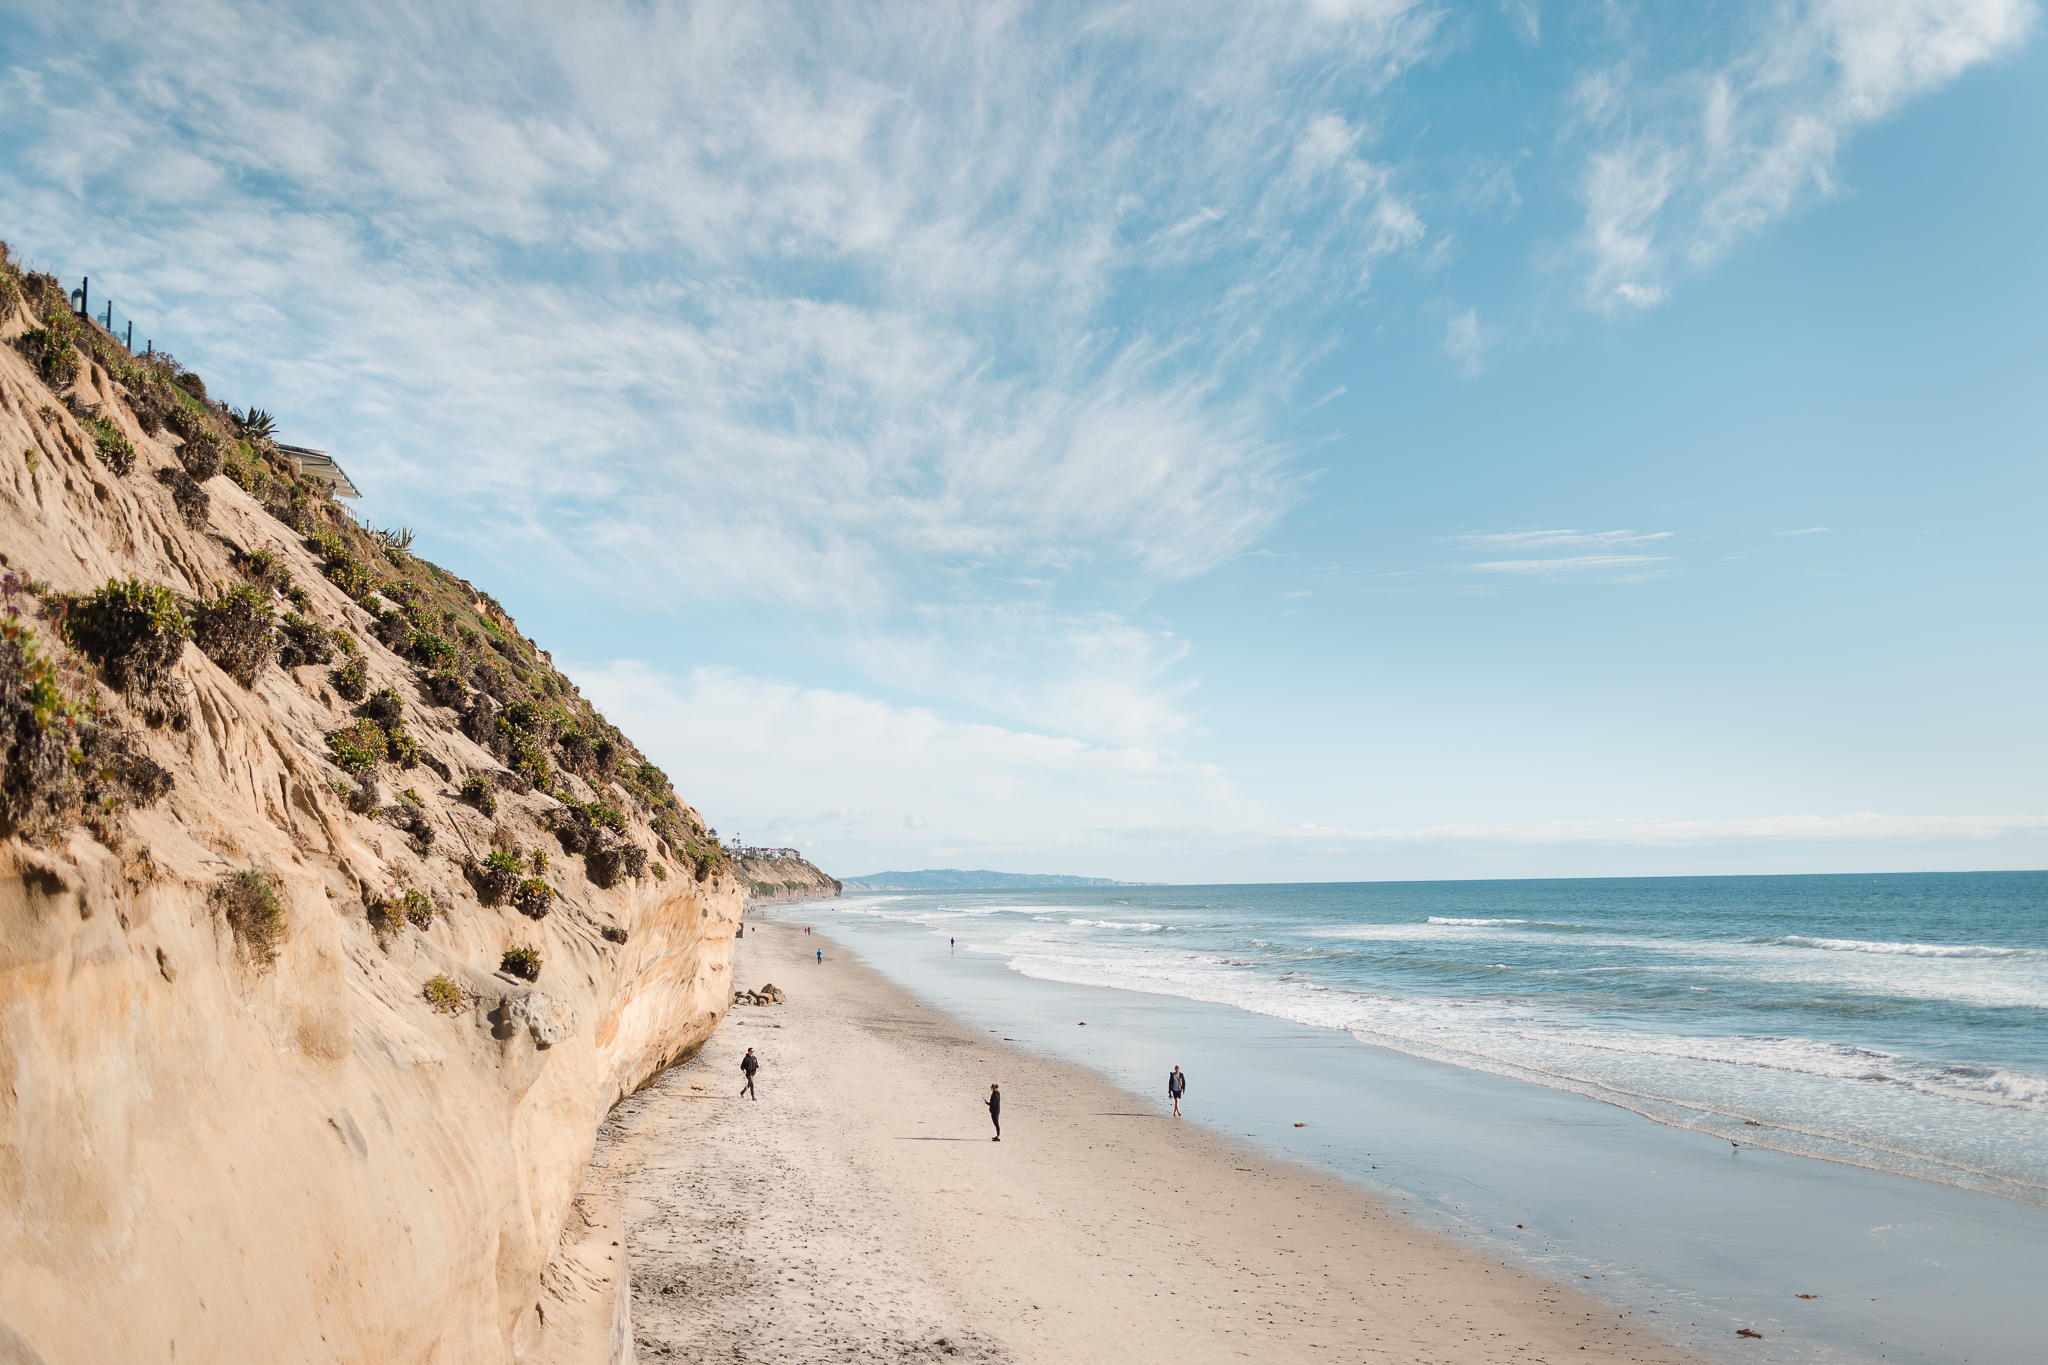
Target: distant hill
[[953, 879]]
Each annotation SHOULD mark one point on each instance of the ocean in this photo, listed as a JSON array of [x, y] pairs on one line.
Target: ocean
[[1790, 1060]]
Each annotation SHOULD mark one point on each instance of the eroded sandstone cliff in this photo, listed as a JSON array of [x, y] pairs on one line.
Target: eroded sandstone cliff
[[781, 874], [274, 1081]]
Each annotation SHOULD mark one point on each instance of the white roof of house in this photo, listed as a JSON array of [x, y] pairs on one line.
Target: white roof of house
[[318, 464]]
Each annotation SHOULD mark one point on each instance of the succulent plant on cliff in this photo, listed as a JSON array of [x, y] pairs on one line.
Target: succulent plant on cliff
[[115, 450], [418, 909], [255, 425], [386, 919], [430, 650], [400, 747], [234, 630], [134, 630], [250, 903], [533, 898], [523, 963], [56, 758], [496, 877], [50, 350], [477, 790], [358, 747], [352, 679]]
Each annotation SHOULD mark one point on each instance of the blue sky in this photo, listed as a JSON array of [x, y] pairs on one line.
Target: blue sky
[[1301, 441]]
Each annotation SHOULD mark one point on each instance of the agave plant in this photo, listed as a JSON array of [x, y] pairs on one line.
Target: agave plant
[[400, 539], [256, 425]]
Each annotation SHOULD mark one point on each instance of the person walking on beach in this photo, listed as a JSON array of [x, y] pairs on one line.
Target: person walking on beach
[[821, 957], [1176, 1086], [995, 1111], [749, 1064]]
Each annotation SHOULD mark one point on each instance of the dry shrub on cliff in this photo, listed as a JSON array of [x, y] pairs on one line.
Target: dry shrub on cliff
[[134, 630], [152, 405], [201, 454], [234, 630], [352, 679], [612, 863], [410, 907], [443, 687], [410, 818], [250, 902], [194, 503], [385, 707], [523, 963], [301, 642], [57, 760], [443, 994]]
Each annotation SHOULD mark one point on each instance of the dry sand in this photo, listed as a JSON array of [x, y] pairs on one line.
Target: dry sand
[[859, 1212]]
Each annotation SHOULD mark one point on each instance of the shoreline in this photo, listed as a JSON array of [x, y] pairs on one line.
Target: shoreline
[[858, 1211], [1828, 1261]]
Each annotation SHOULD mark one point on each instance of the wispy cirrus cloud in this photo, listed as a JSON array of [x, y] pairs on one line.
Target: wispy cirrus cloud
[[1683, 161], [848, 313], [1577, 566], [1543, 540]]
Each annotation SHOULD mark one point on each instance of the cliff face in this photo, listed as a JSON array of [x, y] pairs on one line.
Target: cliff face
[[233, 1123], [769, 875]]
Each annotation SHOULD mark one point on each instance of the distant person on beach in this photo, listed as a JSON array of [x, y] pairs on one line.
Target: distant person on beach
[[749, 1064], [995, 1111], [1176, 1086], [821, 957]]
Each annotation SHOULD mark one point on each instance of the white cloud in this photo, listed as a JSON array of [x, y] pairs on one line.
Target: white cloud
[[845, 314], [863, 785], [1808, 531], [1526, 18], [1464, 340], [835, 772], [1536, 540], [1575, 566], [1683, 165]]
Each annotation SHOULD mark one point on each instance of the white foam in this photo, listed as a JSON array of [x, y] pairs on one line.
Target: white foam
[[1475, 923], [1857, 945]]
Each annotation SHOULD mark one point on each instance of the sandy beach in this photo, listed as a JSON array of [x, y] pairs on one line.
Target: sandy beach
[[859, 1212]]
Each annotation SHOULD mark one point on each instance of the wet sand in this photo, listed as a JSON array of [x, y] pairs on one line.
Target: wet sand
[[859, 1212]]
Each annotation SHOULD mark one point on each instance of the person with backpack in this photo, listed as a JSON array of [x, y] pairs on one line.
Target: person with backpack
[[749, 1064], [1176, 1086]]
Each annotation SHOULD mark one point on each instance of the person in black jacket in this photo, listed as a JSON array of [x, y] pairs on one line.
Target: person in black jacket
[[749, 1064], [995, 1111], [1176, 1086]]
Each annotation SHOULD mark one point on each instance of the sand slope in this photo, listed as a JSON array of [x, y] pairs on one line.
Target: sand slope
[[859, 1212]]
